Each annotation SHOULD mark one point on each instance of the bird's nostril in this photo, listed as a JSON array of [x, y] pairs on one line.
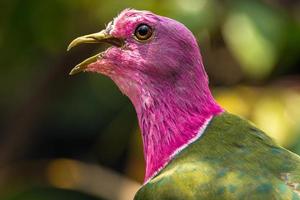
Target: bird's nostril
[[110, 26]]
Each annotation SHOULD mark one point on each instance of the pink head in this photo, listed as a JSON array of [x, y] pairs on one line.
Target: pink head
[[156, 62]]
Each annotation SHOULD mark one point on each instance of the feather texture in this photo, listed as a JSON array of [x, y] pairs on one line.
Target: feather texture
[[165, 79], [232, 160]]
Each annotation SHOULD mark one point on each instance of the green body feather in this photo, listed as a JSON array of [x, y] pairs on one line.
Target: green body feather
[[231, 160]]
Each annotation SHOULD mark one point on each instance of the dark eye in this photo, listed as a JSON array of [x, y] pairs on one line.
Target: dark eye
[[143, 32]]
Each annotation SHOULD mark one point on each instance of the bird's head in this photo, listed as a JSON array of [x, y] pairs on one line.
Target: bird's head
[[156, 62], [148, 51]]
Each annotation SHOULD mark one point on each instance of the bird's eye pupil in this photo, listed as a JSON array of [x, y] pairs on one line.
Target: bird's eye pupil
[[143, 32]]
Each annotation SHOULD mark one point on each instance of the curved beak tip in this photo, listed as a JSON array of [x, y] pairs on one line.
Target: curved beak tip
[[74, 71], [76, 42], [69, 47]]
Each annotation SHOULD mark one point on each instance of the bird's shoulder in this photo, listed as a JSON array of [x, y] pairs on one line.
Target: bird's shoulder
[[203, 180], [232, 160]]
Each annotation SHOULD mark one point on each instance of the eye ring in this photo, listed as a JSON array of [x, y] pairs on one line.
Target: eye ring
[[143, 32]]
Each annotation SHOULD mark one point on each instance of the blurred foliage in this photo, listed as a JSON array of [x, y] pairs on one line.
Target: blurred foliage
[[250, 48]]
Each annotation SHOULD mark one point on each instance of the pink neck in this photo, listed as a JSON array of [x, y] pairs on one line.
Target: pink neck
[[170, 120]]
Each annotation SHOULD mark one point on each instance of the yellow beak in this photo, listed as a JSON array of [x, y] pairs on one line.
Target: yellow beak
[[100, 37]]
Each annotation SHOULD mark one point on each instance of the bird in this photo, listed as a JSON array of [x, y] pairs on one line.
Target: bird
[[193, 148]]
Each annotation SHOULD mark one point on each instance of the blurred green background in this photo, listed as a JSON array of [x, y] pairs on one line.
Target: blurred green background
[[77, 137]]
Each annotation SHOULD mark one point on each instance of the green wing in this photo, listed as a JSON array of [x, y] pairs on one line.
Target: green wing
[[232, 160]]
